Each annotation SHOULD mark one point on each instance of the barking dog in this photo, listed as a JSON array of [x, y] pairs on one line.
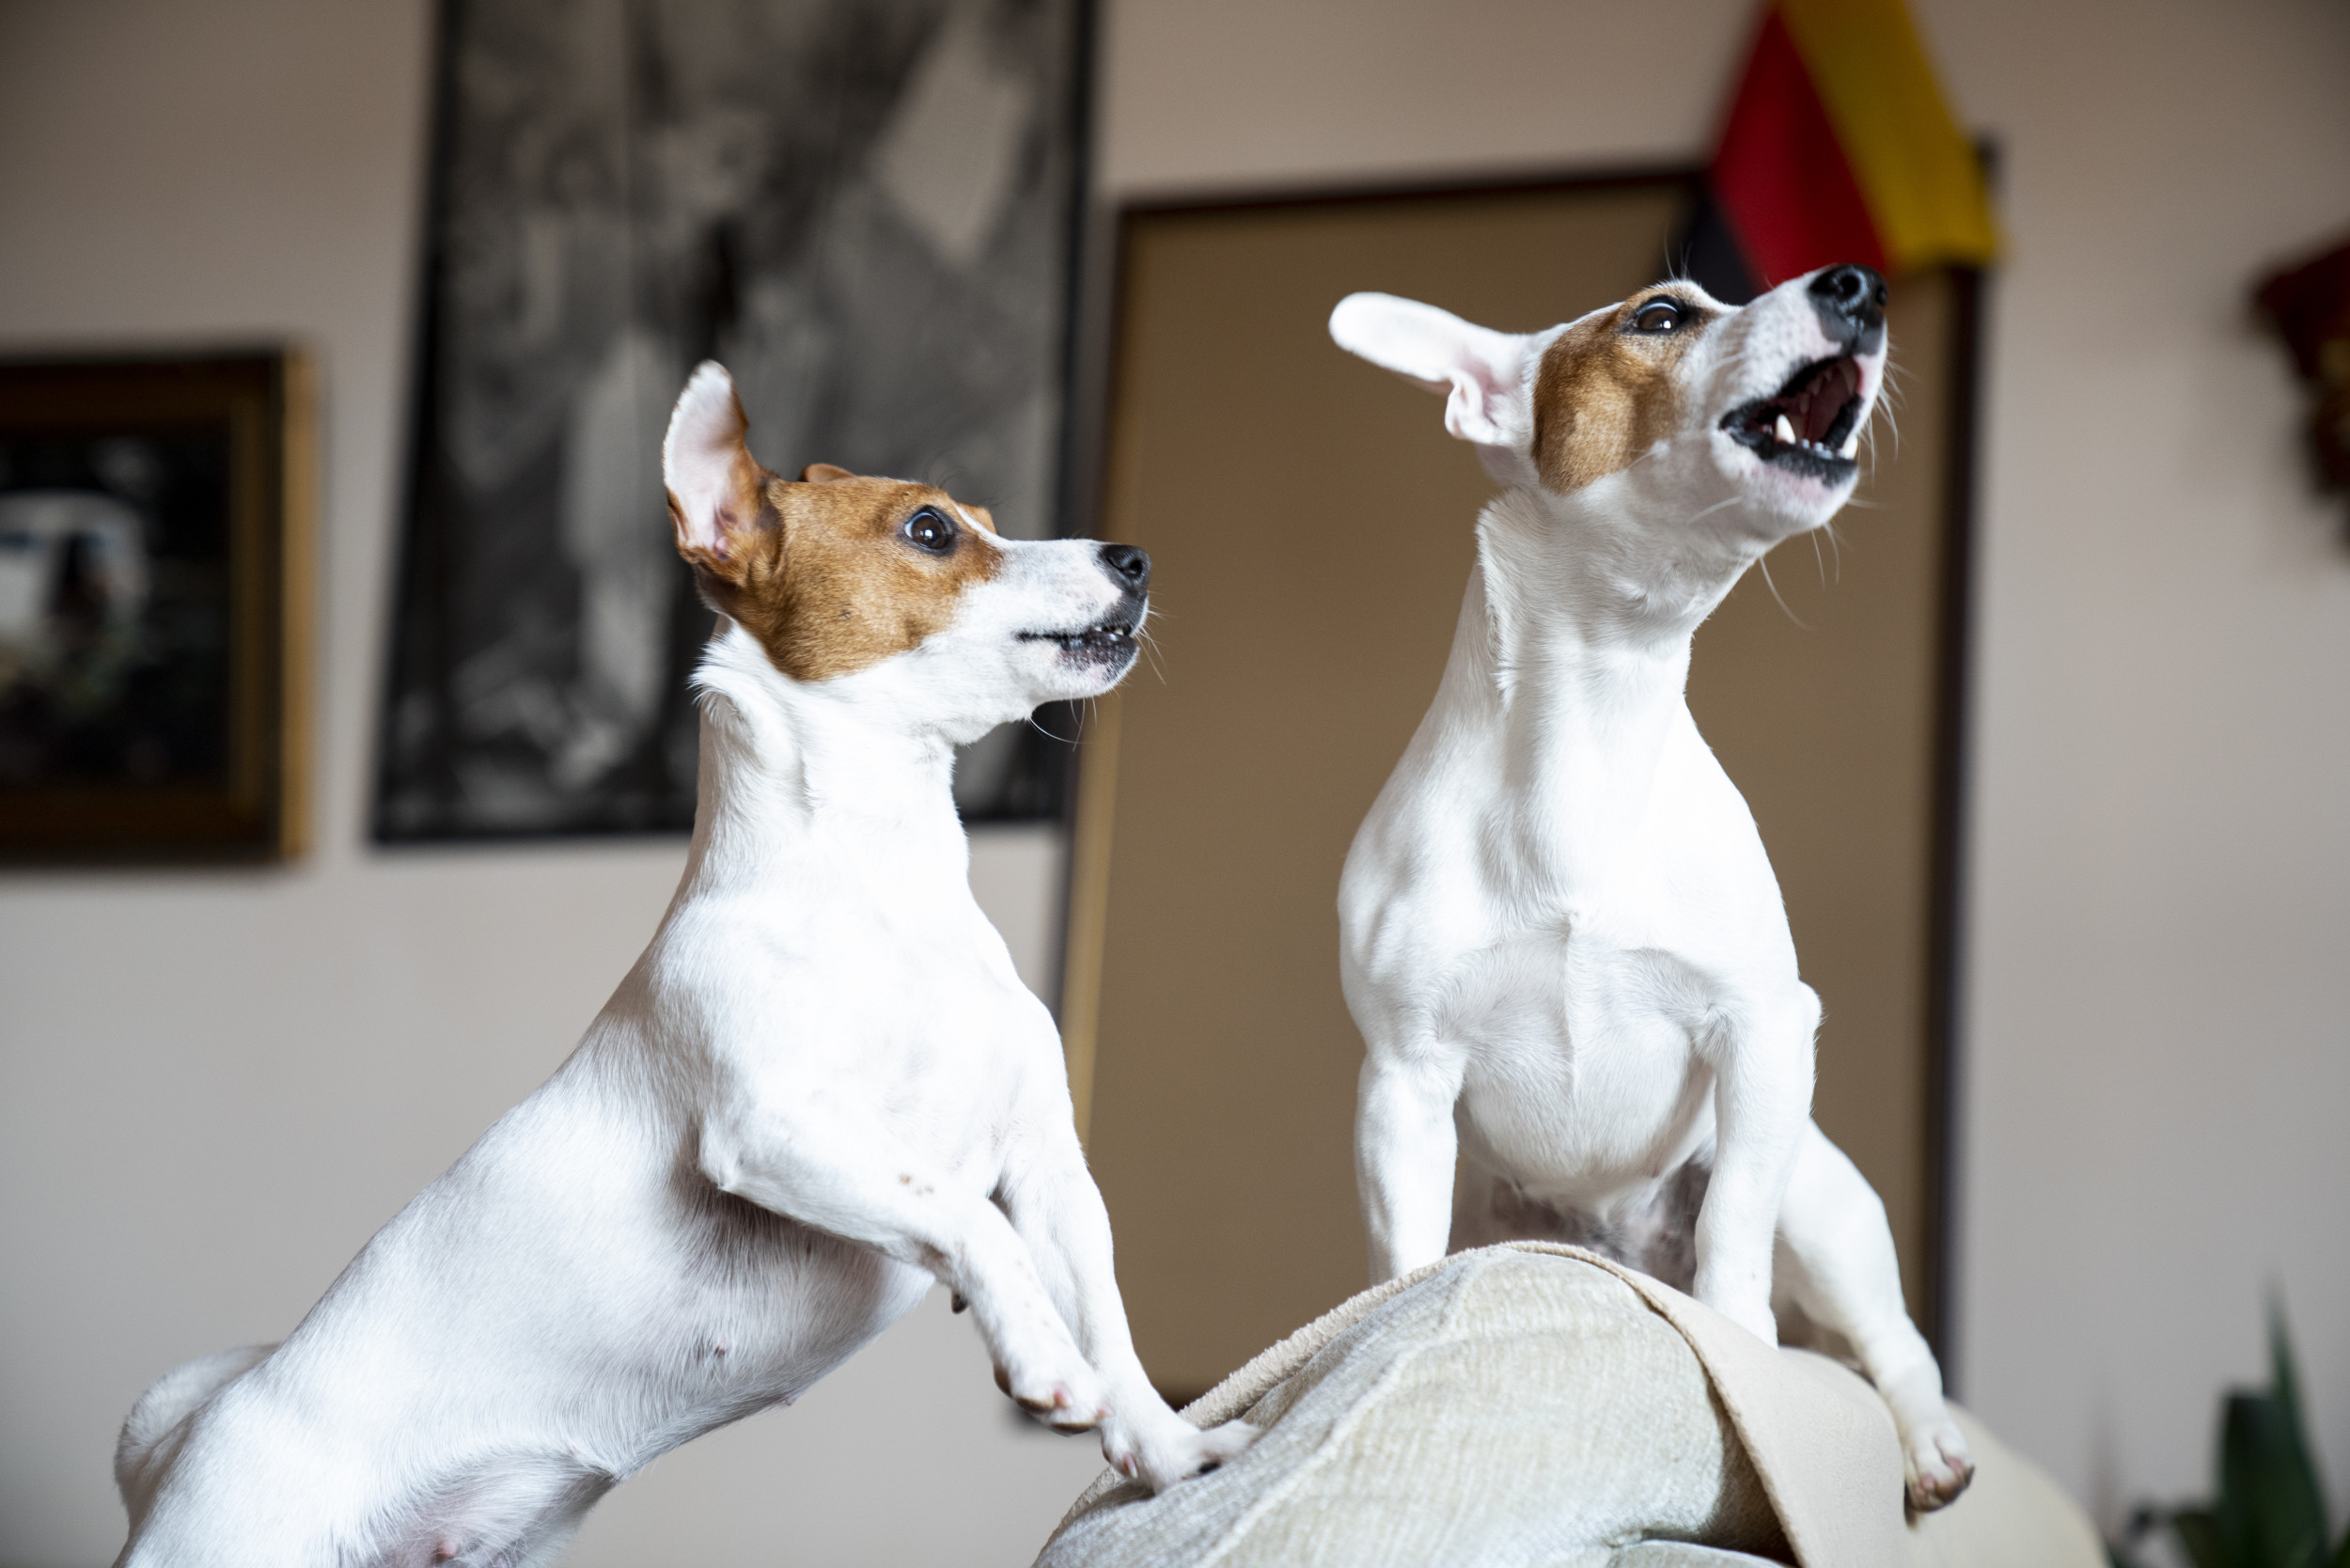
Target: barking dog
[[821, 1087], [1560, 937]]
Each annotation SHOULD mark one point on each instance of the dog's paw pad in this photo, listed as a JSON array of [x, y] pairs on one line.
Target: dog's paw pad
[[1938, 1467]]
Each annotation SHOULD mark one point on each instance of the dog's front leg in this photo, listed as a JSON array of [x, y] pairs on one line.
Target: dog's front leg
[[1057, 1211], [1405, 1147], [847, 1175], [1761, 1103]]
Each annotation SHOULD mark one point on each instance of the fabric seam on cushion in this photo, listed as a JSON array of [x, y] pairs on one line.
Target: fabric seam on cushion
[[1640, 1285]]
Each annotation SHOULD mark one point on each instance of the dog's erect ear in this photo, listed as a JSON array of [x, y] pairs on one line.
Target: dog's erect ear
[[1482, 371], [717, 492], [823, 473]]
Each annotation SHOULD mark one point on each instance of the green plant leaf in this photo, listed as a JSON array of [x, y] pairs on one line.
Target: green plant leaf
[[2198, 1533], [2268, 1504], [2284, 1386]]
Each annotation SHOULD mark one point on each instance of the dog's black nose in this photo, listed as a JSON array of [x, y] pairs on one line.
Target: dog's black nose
[[1851, 302], [1129, 566]]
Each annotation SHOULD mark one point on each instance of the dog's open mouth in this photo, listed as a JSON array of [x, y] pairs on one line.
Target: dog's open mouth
[[1102, 641], [1810, 425]]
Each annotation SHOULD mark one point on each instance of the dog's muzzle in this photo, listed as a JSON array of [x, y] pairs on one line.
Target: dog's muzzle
[[1107, 646], [1810, 425]]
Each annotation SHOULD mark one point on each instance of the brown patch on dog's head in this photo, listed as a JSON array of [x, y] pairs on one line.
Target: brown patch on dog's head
[[832, 574], [1607, 388]]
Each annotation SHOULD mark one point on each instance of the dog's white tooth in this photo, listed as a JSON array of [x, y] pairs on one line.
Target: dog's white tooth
[[1783, 433], [1852, 444]]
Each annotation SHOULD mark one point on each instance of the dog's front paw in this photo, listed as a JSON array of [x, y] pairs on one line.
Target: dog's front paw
[[1171, 1449], [1068, 1398], [1935, 1463]]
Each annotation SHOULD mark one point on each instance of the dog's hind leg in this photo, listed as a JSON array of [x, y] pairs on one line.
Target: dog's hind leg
[[1836, 1264]]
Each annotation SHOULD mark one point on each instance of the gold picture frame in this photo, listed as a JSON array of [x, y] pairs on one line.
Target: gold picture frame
[[155, 607]]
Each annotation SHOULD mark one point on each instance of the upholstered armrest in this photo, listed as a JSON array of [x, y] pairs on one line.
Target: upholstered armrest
[[1535, 1403]]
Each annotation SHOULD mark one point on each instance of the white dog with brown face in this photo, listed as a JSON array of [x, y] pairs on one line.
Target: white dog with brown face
[[1560, 937], [821, 1088]]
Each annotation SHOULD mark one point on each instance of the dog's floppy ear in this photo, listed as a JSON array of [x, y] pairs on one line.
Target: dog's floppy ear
[[717, 492], [823, 473], [1482, 371]]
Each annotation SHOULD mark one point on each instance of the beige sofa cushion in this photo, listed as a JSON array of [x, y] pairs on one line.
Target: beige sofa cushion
[[1535, 1403]]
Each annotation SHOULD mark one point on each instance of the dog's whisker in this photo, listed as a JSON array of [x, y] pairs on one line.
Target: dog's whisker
[[1038, 725], [1764, 564], [1149, 647]]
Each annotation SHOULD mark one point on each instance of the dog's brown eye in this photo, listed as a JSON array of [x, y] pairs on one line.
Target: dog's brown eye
[[1657, 316], [927, 530]]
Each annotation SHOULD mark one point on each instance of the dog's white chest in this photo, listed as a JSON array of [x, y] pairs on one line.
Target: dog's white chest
[[1570, 917], [1580, 1070]]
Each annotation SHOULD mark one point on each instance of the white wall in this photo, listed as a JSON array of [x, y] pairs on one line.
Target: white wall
[[214, 1086], [2159, 1040]]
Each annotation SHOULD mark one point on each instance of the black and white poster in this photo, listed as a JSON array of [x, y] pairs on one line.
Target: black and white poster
[[863, 207]]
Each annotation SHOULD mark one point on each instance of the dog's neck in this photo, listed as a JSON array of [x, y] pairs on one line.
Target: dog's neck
[[796, 775], [1574, 646], [1624, 564]]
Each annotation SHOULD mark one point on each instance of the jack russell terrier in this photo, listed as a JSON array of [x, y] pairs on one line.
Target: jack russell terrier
[[821, 1088], [1560, 937]]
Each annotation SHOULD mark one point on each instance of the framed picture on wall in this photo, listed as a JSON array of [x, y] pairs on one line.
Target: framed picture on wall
[[865, 209], [154, 607]]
